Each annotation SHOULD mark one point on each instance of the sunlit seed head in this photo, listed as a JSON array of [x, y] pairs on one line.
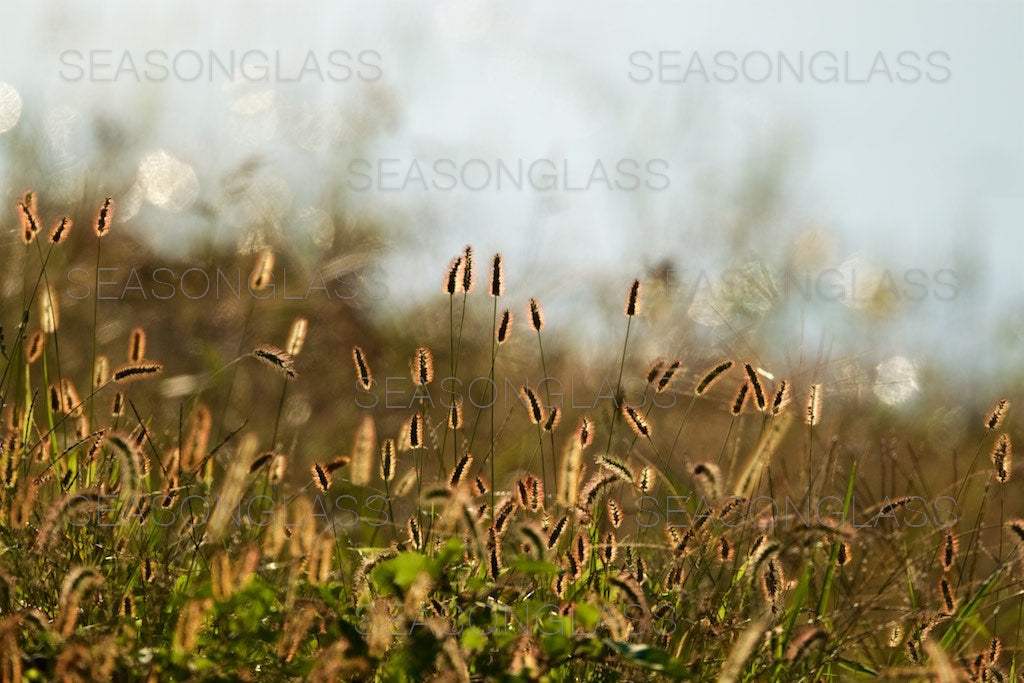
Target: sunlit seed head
[[633, 299], [536, 316], [263, 272], [61, 230], [136, 345], [422, 366], [755, 384], [995, 418], [297, 336], [363, 375], [453, 276], [497, 285], [104, 217], [813, 412], [504, 328], [711, 376], [741, 397], [466, 286]]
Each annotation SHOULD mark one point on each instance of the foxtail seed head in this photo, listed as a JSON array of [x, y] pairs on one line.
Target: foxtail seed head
[[497, 277], [633, 299], [104, 217], [536, 316]]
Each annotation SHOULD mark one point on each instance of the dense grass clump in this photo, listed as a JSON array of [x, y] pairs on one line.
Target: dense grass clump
[[284, 517]]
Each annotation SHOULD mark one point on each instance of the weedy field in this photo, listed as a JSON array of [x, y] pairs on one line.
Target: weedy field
[[302, 496]]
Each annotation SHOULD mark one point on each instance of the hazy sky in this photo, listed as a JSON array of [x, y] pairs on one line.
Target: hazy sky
[[644, 130]]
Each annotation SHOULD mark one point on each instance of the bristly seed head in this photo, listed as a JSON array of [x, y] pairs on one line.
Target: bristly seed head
[[666, 378], [363, 375], [136, 345], [34, 349], [422, 366], [656, 367], [781, 398], [276, 358], [1002, 455], [504, 327], [497, 276], [415, 431], [533, 405], [1017, 527], [536, 316], [321, 477], [455, 416], [104, 217], [995, 418], [60, 231], [633, 299], [585, 432], [388, 460], [297, 336], [741, 397], [950, 546], [453, 278], [460, 471], [554, 417], [28, 215], [948, 597], [467, 270], [712, 375], [755, 384], [262, 272], [813, 412], [636, 421], [134, 371]]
